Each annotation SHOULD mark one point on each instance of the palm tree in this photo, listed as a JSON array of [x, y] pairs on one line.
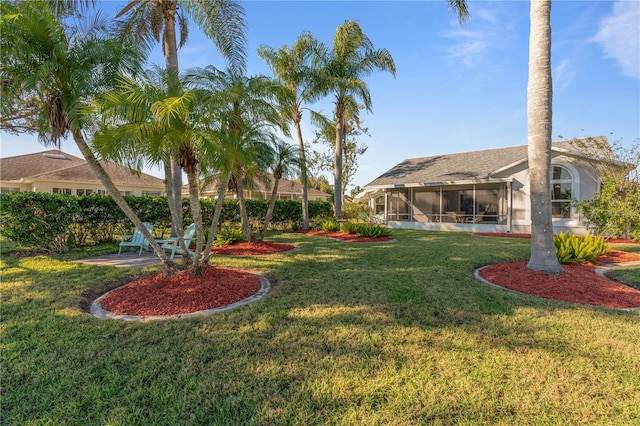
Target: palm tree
[[221, 20], [350, 149], [285, 161], [293, 68], [352, 57], [249, 152], [151, 116], [65, 69], [539, 112], [539, 100], [245, 109], [19, 116], [131, 134]]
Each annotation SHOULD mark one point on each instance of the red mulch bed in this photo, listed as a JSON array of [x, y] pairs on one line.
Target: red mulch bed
[[610, 240], [343, 236], [182, 293], [252, 249], [579, 284]]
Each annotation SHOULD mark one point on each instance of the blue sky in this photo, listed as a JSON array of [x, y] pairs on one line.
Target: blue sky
[[457, 88]]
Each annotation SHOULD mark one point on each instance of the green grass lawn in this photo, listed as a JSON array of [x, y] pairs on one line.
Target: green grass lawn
[[376, 334]]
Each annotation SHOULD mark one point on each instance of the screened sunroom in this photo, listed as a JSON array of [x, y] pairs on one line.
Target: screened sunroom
[[461, 204]]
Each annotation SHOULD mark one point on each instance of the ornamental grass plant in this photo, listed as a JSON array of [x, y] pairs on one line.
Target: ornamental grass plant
[[396, 333], [571, 248]]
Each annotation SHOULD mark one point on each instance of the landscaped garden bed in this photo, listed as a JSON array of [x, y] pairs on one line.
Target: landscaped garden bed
[[252, 249], [578, 284], [344, 236], [181, 293]]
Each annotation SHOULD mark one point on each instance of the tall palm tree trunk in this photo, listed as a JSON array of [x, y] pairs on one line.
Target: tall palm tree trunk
[[169, 39], [175, 201], [244, 216], [213, 229], [175, 218], [337, 164], [196, 213], [303, 177], [101, 174], [539, 106], [272, 204], [170, 49]]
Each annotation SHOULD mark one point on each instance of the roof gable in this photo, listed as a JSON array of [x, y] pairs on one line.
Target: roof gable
[[31, 165], [59, 166], [285, 186], [473, 165]]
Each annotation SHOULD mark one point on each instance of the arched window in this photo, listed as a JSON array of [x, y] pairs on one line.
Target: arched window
[[561, 192]]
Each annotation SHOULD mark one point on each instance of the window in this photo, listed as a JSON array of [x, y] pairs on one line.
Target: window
[[8, 189], [84, 191], [66, 191], [561, 192], [151, 193]]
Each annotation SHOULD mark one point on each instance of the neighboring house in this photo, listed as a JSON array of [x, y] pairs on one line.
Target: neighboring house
[[287, 190], [483, 191], [60, 173]]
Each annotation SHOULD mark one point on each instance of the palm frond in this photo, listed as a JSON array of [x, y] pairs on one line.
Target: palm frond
[[61, 67], [223, 21], [461, 8]]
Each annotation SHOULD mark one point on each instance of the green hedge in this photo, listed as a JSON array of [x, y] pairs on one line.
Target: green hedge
[[39, 220], [55, 223]]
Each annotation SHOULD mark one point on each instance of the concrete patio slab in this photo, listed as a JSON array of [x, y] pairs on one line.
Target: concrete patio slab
[[124, 260]]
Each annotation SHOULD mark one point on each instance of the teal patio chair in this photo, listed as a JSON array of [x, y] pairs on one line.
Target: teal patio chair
[[171, 244], [136, 239]]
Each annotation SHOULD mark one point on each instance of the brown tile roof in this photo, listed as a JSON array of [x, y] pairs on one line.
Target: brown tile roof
[[464, 166], [285, 186], [58, 165]]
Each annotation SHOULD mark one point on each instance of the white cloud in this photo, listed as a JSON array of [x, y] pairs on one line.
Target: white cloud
[[562, 75], [469, 48], [619, 36], [472, 43]]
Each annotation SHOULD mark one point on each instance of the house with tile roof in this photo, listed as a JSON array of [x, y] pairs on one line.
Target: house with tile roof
[[261, 189], [485, 191], [57, 172]]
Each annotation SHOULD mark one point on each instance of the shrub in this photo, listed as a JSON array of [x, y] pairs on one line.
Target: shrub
[[351, 227], [576, 248], [316, 222], [354, 211], [319, 209], [330, 225], [373, 231], [229, 236], [615, 209]]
